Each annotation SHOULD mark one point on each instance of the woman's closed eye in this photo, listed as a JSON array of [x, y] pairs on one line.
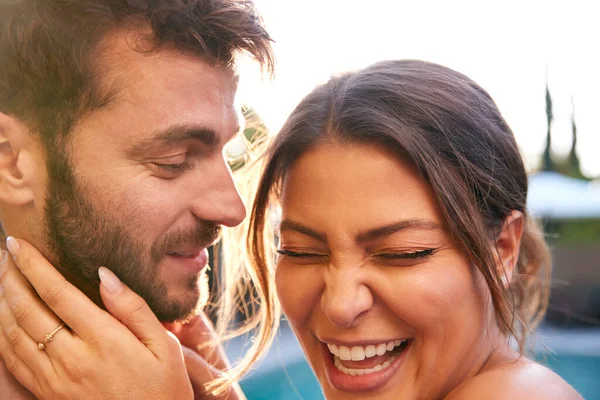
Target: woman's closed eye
[[406, 254], [387, 257], [303, 257], [402, 258]]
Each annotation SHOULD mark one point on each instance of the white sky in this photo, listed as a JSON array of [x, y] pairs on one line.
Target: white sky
[[505, 46]]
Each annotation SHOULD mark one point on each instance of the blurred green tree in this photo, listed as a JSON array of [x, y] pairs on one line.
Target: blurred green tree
[[547, 160], [570, 165]]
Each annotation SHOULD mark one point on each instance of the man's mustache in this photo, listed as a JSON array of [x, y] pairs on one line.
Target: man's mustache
[[205, 235]]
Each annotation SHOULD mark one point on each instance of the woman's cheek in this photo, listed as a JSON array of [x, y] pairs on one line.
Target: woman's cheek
[[297, 289], [426, 297]]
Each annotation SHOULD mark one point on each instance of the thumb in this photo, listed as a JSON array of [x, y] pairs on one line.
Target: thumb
[[132, 311]]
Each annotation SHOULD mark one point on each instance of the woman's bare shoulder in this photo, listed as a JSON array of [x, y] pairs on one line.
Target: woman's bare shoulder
[[523, 379]]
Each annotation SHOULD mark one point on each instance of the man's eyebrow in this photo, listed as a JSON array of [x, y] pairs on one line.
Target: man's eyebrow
[[287, 225], [366, 236], [387, 230], [176, 134]]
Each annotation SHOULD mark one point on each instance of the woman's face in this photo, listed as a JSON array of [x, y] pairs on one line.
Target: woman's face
[[383, 303]]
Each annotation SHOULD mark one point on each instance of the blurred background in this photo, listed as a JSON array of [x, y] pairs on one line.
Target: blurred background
[[538, 60]]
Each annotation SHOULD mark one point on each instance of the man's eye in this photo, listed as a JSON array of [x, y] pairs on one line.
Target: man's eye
[[174, 169]]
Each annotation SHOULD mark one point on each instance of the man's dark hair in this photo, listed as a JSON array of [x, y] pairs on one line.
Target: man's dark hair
[[51, 64]]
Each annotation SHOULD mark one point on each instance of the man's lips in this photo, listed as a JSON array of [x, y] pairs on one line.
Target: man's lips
[[185, 254], [192, 260]]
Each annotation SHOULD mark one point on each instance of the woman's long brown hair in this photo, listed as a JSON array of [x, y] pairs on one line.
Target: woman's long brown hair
[[453, 132]]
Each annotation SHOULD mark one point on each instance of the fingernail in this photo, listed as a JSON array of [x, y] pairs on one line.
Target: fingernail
[[109, 280], [13, 246]]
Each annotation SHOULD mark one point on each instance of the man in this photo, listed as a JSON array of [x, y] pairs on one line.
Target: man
[[114, 115]]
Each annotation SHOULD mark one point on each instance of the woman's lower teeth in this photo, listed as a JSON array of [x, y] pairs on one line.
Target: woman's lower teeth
[[362, 371]]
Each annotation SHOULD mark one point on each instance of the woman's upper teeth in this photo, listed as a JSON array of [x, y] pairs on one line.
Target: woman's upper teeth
[[359, 353]]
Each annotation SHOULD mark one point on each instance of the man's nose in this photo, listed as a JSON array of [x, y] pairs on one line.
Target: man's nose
[[234, 210], [346, 297], [221, 202]]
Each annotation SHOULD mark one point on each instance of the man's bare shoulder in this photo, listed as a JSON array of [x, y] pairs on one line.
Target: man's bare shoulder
[[523, 379]]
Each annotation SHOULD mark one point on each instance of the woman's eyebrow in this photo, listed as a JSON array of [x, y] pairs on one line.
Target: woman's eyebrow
[[288, 225], [366, 236], [386, 230]]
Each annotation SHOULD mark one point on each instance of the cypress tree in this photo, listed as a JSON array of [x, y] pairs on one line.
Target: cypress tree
[[547, 162]]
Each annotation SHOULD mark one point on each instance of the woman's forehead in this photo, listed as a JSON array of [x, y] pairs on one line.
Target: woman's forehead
[[357, 183]]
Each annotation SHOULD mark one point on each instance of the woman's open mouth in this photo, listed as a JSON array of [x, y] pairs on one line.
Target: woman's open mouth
[[363, 368]]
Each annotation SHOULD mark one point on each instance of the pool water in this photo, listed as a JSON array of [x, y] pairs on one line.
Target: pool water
[[582, 372], [295, 381]]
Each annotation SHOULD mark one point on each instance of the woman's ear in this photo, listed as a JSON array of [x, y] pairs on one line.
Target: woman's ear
[[15, 185], [508, 243]]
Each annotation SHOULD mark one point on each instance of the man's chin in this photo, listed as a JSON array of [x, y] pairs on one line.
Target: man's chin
[[177, 312], [183, 304]]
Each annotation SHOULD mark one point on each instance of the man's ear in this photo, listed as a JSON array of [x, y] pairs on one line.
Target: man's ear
[[508, 243], [15, 184]]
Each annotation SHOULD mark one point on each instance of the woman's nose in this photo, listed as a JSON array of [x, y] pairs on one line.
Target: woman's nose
[[345, 298]]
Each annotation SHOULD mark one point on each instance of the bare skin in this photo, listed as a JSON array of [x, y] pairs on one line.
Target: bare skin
[[528, 380], [10, 388]]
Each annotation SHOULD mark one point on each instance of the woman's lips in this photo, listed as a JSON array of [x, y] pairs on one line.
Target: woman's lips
[[364, 375]]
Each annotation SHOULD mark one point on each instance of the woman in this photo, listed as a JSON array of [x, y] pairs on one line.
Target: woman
[[407, 260]]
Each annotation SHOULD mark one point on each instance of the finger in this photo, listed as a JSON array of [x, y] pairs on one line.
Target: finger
[[65, 300], [30, 313], [22, 349], [133, 312], [14, 374]]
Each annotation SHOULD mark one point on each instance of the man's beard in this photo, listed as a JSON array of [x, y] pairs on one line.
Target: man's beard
[[82, 239]]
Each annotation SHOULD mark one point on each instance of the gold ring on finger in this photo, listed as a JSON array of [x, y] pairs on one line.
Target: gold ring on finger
[[49, 337]]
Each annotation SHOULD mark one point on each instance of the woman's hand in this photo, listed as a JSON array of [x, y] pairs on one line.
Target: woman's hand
[[10, 389], [97, 355]]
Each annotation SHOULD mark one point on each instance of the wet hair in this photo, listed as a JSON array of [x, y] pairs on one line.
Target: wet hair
[[452, 131], [51, 64]]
